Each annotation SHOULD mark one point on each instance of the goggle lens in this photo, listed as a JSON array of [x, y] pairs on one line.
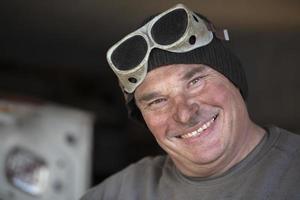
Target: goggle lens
[[130, 53], [170, 28]]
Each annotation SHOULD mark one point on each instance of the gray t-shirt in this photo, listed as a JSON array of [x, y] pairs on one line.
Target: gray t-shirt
[[270, 171]]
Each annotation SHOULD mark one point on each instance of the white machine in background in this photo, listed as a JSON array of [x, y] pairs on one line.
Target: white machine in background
[[45, 151]]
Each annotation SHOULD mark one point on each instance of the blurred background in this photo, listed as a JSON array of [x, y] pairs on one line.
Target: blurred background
[[52, 62]]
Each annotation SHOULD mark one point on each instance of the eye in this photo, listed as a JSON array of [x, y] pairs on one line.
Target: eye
[[195, 81], [157, 102]]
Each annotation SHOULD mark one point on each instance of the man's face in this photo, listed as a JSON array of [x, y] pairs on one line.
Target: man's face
[[196, 115]]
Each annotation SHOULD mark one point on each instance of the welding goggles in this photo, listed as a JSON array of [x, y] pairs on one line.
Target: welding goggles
[[178, 30]]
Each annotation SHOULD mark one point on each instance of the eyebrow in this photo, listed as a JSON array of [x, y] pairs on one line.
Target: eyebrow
[[148, 96], [192, 72]]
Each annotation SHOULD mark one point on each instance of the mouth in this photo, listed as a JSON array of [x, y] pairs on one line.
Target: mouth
[[200, 130]]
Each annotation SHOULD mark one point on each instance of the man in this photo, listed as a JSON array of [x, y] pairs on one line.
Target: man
[[179, 78]]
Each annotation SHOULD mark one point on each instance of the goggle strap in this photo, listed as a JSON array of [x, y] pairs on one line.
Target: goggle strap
[[222, 34], [226, 35], [127, 96]]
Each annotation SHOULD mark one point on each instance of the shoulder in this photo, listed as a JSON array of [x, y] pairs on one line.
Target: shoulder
[[288, 146], [145, 171], [285, 141], [149, 163]]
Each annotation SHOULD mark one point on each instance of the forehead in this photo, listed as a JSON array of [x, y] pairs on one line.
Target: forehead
[[175, 70], [162, 76]]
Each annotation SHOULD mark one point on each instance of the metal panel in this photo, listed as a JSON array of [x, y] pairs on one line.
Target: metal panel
[[44, 151]]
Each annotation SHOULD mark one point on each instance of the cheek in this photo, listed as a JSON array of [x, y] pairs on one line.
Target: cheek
[[156, 123], [228, 98], [217, 94]]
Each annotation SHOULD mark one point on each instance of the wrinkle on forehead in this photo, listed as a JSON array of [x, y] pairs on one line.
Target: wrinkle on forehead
[[189, 74]]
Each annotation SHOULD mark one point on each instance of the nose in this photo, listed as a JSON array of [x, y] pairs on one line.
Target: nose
[[185, 110]]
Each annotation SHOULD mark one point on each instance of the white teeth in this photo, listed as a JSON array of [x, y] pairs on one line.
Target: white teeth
[[200, 130]]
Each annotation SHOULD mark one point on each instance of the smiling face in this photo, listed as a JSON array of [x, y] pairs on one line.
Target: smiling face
[[198, 117]]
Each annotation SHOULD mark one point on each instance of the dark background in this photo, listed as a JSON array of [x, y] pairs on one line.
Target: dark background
[[54, 50]]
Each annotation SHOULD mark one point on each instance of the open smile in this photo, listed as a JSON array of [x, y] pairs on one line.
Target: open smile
[[200, 130]]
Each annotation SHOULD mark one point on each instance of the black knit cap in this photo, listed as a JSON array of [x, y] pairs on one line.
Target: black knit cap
[[215, 55]]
